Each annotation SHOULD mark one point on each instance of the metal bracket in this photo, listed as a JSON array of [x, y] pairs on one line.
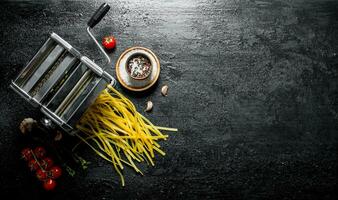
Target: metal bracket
[[98, 45]]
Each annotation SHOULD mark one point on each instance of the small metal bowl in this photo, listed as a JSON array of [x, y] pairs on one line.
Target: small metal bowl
[[139, 66]]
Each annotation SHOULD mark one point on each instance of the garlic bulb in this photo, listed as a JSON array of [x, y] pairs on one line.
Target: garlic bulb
[[27, 125]]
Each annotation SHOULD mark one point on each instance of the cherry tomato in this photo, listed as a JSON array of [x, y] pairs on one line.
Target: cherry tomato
[[40, 152], [47, 163], [55, 172], [26, 154], [41, 174], [49, 184], [33, 165], [109, 42]]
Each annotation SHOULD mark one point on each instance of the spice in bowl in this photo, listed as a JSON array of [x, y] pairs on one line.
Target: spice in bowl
[[139, 67]]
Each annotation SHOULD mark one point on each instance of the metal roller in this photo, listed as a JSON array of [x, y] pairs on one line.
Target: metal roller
[[61, 81]]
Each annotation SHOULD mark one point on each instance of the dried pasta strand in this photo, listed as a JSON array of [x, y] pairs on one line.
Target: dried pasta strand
[[112, 125]]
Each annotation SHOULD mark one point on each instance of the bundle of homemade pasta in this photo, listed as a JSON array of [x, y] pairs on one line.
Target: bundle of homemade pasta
[[114, 129]]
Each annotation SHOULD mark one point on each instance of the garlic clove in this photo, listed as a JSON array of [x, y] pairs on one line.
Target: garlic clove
[[149, 106], [58, 136], [164, 90]]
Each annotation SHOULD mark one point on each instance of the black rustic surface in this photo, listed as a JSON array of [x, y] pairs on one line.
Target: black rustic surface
[[252, 89]]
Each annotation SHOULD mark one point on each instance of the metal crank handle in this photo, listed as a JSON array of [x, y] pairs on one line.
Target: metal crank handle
[[95, 19]]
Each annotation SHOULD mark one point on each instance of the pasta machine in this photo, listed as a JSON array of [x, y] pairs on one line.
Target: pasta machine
[[61, 81]]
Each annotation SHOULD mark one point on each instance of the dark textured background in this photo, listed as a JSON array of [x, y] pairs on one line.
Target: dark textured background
[[253, 92]]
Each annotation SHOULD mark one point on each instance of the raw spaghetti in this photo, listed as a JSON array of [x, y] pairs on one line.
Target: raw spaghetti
[[114, 129]]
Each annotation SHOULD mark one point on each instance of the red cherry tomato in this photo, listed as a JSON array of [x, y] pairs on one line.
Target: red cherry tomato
[[49, 184], [41, 174], [33, 165], [55, 172], [109, 42], [40, 152], [46, 163], [26, 154]]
